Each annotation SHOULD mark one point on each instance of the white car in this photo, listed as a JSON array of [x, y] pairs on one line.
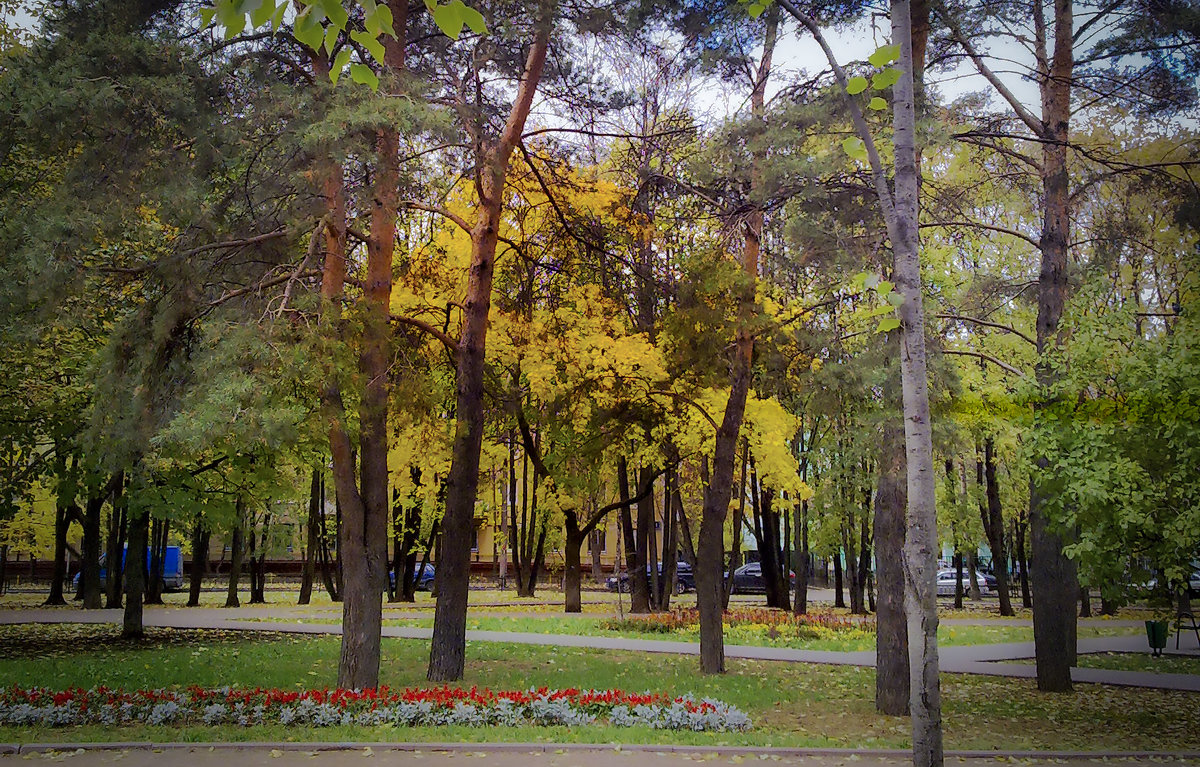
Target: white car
[[946, 582]]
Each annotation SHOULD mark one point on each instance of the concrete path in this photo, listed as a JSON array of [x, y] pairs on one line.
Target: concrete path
[[965, 659], [530, 755]]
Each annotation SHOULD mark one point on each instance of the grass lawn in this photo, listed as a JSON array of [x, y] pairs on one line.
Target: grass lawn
[[1138, 661], [586, 625], [807, 705]]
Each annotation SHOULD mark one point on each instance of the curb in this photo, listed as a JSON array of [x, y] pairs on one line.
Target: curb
[[40, 748]]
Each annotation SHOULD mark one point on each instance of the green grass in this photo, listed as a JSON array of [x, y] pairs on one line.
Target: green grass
[[585, 625], [1130, 661], [807, 705]]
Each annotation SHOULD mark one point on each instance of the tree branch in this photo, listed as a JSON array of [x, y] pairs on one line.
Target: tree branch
[[998, 363], [439, 210], [986, 323], [448, 341], [1031, 120], [989, 227]]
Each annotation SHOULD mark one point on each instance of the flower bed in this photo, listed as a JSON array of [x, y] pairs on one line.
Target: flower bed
[[750, 623], [404, 708]]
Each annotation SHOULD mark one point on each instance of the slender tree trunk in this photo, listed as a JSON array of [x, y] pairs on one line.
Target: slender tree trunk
[[639, 582], [235, 554], [199, 561], [994, 525], [594, 547], [62, 521], [135, 576], [258, 560], [312, 535], [3, 568], [158, 552], [800, 606], [114, 569], [958, 579], [739, 516], [89, 578], [448, 648], [839, 597]]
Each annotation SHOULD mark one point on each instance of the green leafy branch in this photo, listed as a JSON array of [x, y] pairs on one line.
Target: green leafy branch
[[319, 24]]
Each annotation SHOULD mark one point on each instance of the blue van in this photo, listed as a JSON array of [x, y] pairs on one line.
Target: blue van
[[171, 573]]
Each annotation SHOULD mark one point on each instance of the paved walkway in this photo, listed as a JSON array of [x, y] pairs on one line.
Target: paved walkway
[[964, 659], [526, 755]]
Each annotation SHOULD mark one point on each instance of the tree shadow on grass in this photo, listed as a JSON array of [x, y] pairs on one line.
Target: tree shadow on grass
[[30, 641]]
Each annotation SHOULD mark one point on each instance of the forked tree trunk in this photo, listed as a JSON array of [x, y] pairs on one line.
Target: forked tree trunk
[[448, 647]]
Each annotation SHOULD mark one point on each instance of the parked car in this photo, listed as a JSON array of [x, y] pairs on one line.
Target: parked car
[[171, 572], [684, 579], [749, 579], [988, 576], [946, 580], [424, 581]]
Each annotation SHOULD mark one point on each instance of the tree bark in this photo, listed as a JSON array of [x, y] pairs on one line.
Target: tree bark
[[312, 536], [89, 578], [62, 521], [639, 574], [920, 546], [1055, 585], [134, 575], [200, 537], [994, 525], [117, 524], [235, 553], [448, 648], [711, 548], [158, 551], [891, 625]]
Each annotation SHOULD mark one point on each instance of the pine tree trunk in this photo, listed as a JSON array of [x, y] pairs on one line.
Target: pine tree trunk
[[1055, 585], [448, 647]]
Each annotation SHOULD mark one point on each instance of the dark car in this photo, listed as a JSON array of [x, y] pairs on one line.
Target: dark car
[[748, 579], [684, 579], [424, 582]]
